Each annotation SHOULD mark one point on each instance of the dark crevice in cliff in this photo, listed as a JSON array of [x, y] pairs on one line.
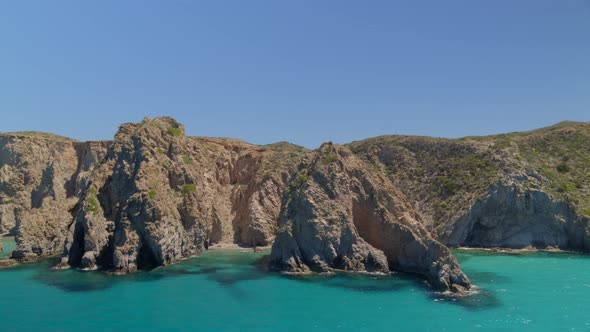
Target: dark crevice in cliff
[[72, 186], [8, 190], [105, 256], [105, 198], [240, 220], [187, 219], [45, 188], [77, 248], [216, 234], [147, 259]]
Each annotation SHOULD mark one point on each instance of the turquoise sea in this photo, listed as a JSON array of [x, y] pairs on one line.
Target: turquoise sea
[[229, 291]]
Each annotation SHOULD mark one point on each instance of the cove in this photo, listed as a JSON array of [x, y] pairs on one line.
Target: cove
[[8, 245]]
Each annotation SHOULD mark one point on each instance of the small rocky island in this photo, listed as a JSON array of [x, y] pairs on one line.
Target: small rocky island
[[153, 196]]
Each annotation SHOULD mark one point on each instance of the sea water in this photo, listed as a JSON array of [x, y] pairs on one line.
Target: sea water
[[8, 244], [230, 291]]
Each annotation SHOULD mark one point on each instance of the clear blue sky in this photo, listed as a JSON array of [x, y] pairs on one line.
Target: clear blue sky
[[301, 71]]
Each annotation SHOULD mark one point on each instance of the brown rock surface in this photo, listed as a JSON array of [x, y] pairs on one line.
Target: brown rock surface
[[154, 195], [159, 196], [526, 189], [40, 175], [340, 214]]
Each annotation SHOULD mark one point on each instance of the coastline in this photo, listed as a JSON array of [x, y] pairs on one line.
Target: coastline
[[526, 250], [233, 246], [7, 262]]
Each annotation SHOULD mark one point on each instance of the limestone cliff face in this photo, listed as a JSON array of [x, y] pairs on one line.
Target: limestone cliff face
[[159, 196], [40, 175], [339, 214]]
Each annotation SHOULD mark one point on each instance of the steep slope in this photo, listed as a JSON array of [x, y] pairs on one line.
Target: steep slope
[[159, 196], [514, 190], [40, 177], [339, 214]]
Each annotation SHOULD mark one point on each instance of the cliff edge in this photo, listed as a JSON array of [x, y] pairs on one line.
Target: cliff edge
[[338, 214]]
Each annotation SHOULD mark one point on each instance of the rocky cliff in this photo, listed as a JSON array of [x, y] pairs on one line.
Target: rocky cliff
[[340, 214], [159, 196], [40, 179], [55, 191], [153, 196], [529, 189]]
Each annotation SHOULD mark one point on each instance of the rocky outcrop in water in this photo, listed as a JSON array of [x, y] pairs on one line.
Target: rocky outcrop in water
[[340, 214], [154, 195], [159, 196]]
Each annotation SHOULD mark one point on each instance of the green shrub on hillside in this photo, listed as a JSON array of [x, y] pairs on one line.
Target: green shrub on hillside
[[173, 131], [329, 158], [92, 205], [565, 187], [447, 186], [303, 178], [563, 167], [299, 181], [189, 188], [152, 194]]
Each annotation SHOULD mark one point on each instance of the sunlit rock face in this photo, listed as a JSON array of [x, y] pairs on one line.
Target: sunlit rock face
[[41, 176], [340, 214], [159, 196], [153, 195]]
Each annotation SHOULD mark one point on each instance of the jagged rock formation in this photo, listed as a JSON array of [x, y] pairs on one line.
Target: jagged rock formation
[[159, 196], [517, 190], [44, 184], [154, 195], [341, 215], [40, 177]]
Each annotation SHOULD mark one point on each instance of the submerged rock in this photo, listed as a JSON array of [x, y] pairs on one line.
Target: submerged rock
[[339, 214]]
